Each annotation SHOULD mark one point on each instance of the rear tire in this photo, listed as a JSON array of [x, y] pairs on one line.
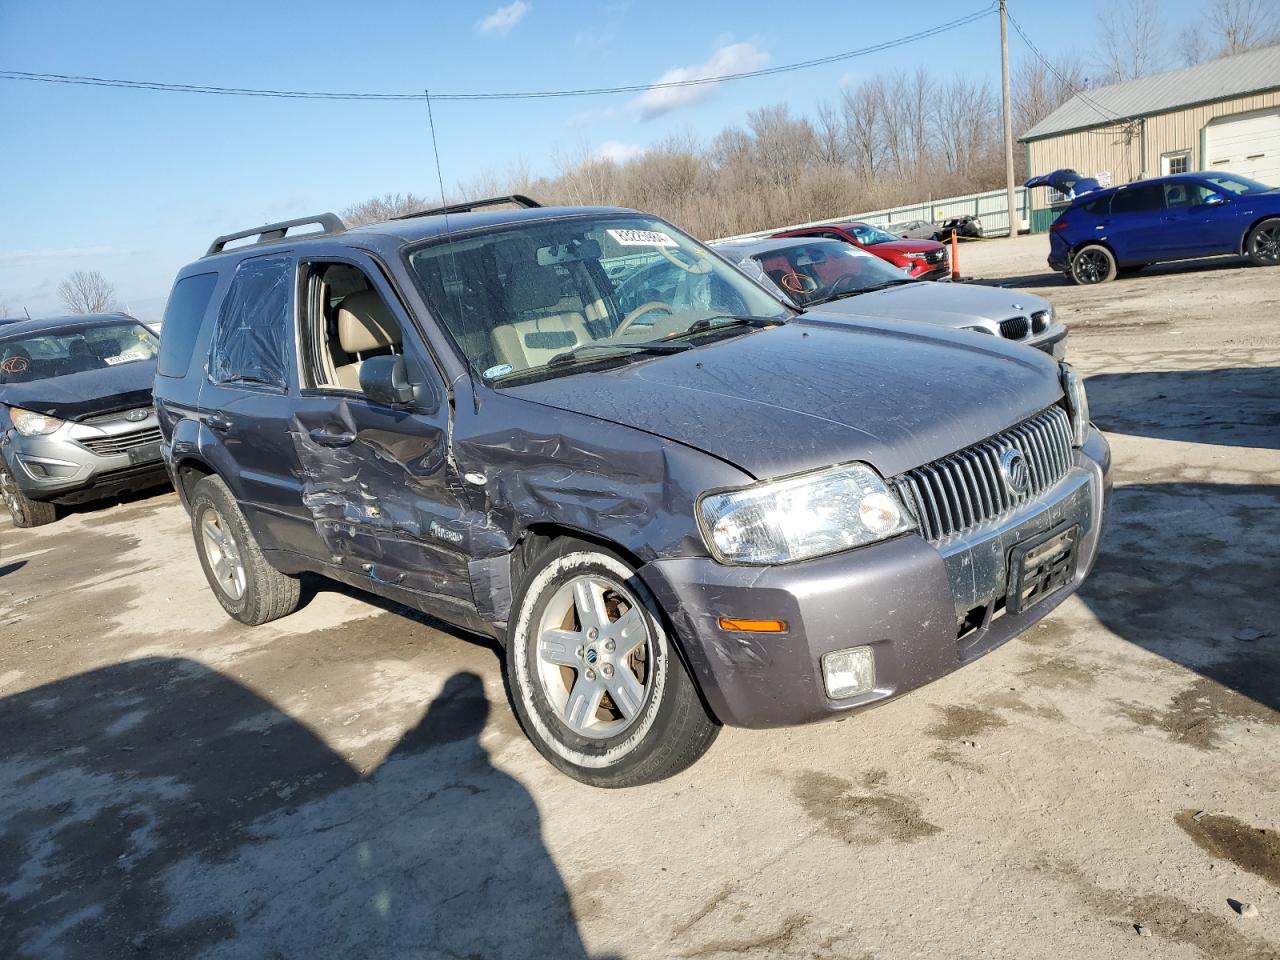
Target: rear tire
[[248, 587], [24, 511], [1092, 264], [1263, 243], [595, 679]]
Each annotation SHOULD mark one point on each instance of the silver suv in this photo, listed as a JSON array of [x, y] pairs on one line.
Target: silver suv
[[76, 421]]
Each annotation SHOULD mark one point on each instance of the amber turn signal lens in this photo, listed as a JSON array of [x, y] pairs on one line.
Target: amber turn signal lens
[[753, 626]]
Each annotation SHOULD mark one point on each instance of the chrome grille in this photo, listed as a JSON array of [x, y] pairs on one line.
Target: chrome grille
[[1015, 328], [122, 442], [968, 488]]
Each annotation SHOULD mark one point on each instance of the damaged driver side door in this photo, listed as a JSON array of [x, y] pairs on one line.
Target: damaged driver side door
[[376, 477]]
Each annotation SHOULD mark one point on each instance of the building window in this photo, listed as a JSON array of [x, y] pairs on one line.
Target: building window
[[1178, 162]]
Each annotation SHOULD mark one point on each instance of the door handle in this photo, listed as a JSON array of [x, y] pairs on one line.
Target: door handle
[[328, 439], [217, 421]]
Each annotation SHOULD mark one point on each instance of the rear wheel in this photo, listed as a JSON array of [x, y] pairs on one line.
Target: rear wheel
[[1093, 264], [24, 511], [1263, 244], [594, 678], [248, 587]]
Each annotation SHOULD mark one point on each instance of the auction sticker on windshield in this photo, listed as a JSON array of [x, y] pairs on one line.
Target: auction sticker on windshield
[[642, 238], [126, 357]]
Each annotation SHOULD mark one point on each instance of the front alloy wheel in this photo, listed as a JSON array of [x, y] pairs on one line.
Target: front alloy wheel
[[24, 511], [595, 679]]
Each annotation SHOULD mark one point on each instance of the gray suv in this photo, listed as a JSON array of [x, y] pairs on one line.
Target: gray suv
[[76, 420], [702, 507]]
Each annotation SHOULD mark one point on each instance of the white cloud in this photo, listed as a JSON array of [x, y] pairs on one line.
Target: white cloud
[[733, 58], [618, 152], [503, 19]]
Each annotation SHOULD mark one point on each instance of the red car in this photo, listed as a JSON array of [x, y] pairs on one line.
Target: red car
[[922, 259]]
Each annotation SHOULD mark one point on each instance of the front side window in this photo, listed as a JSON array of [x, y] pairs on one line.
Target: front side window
[[517, 298], [75, 349], [346, 322], [253, 327]]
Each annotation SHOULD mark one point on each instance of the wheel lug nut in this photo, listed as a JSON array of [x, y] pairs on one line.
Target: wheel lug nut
[[591, 674], [609, 645], [607, 671], [592, 633], [578, 653]]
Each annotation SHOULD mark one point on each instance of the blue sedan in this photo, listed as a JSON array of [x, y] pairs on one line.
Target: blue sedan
[[1107, 232]]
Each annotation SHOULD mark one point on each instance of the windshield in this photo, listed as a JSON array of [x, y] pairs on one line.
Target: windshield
[[59, 353], [823, 269], [1230, 183], [516, 298], [869, 236]]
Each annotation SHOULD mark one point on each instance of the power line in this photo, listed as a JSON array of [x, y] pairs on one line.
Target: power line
[[166, 87]]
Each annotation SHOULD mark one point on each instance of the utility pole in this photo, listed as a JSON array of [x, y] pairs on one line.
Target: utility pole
[[1014, 215]]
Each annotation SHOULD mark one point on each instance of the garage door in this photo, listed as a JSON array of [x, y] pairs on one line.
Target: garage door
[[1248, 144]]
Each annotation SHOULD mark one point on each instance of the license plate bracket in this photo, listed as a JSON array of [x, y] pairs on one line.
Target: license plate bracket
[[146, 453], [1042, 565]]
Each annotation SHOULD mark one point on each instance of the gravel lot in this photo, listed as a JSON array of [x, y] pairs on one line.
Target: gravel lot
[[350, 782]]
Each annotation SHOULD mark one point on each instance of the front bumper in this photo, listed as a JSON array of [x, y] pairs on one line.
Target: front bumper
[[906, 598], [1053, 342], [80, 461]]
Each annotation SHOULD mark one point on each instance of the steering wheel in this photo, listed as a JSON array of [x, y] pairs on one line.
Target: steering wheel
[[698, 266], [845, 282], [645, 308], [795, 282]]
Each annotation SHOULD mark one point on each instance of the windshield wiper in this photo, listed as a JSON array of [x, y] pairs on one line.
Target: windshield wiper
[[730, 320], [572, 356], [853, 293]]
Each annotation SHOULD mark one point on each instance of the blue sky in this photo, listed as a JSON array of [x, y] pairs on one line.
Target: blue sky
[[135, 184]]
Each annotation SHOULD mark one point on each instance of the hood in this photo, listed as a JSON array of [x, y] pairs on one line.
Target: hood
[[1067, 182], [818, 391], [906, 246], [948, 304], [79, 395]]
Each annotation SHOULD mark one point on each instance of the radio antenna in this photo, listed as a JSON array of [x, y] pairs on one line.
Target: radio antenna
[[448, 230]]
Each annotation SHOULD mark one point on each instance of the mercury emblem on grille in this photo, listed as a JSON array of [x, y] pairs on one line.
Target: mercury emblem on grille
[[1014, 467]]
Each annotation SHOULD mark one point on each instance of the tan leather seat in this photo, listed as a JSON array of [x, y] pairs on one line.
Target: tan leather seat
[[365, 325], [540, 328]]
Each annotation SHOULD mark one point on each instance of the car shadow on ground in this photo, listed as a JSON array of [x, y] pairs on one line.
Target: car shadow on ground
[[8, 568], [1237, 406], [157, 808], [1051, 278], [1188, 571]]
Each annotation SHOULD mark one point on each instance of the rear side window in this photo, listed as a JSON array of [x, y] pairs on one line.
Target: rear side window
[[1138, 199], [249, 346], [182, 316], [1100, 206]]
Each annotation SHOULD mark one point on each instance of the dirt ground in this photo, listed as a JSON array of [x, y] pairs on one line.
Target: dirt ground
[[349, 782]]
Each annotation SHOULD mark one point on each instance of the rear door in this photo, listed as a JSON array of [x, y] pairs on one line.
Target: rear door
[[377, 481], [246, 405], [1136, 223]]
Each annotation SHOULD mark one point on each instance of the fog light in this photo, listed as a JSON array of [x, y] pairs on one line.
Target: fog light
[[847, 673]]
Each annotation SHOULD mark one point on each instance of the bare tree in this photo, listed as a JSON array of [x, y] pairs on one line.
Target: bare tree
[[1131, 42], [1243, 25], [86, 291], [385, 207]]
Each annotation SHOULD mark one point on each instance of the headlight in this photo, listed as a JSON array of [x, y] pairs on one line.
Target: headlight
[[31, 424], [806, 516], [1077, 403]]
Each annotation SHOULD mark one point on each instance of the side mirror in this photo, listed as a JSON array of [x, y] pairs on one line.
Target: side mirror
[[1214, 199], [385, 380]]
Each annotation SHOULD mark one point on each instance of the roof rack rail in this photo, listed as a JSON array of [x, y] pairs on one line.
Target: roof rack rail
[[275, 232], [517, 198]]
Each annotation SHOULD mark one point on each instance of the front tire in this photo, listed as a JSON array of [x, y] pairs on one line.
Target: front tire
[[595, 679], [1263, 243], [1093, 264], [24, 511], [248, 587]]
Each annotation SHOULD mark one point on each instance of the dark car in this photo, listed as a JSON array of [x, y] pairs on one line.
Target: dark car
[[76, 421], [1108, 232], [701, 508], [923, 259]]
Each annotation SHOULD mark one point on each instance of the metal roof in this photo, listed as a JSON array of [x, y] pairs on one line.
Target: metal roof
[[1236, 76]]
